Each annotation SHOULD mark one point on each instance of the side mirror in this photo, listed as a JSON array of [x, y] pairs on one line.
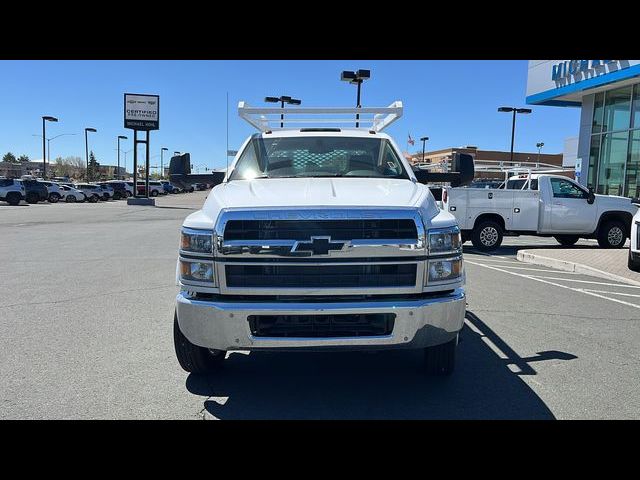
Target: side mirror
[[462, 172], [181, 176], [462, 163], [592, 196]]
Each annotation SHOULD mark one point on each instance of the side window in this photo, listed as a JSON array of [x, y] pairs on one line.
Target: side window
[[390, 163], [534, 184], [565, 189], [5, 183]]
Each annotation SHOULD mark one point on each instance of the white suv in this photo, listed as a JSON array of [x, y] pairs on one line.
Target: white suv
[[634, 247], [55, 192], [11, 191]]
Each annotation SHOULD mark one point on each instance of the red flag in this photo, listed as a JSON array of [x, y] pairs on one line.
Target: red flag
[[411, 141]]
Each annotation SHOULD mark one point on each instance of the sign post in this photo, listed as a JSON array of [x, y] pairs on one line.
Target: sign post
[[141, 113]]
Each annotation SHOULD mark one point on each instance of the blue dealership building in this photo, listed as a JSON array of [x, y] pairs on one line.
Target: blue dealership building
[[608, 94]]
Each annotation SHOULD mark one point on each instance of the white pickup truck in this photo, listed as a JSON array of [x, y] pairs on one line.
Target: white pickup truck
[[546, 205], [318, 238]]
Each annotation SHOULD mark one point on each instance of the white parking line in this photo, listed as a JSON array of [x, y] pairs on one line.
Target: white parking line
[[541, 270], [622, 285], [613, 293], [538, 279]]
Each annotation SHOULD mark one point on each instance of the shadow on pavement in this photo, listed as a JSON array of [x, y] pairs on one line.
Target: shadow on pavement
[[382, 385], [507, 250]]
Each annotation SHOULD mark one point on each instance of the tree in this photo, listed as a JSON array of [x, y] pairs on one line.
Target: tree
[[93, 166], [23, 158], [9, 157]]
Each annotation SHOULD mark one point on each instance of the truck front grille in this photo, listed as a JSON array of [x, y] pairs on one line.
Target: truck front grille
[[364, 229], [327, 326], [321, 276]]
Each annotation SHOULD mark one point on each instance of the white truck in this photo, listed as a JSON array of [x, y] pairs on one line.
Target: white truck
[[545, 205], [634, 244], [318, 238]]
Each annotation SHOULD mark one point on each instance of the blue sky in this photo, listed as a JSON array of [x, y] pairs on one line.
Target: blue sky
[[452, 102]]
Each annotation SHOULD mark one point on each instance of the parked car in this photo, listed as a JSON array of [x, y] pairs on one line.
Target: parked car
[[92, 192], [155, 189], [544, 205], [200, 186], [634, 245], [35, 191], [120, 189], [11, 191], [55, 194], [71, 194], [108, 192], [166, 185]]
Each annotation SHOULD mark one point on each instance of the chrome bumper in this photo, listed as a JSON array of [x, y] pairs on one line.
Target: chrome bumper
[[418, 323]]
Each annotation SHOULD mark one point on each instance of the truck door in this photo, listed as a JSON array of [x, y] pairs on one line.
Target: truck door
[[570, 211]]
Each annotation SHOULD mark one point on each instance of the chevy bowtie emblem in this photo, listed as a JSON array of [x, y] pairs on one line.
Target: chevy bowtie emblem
[[318, 246]]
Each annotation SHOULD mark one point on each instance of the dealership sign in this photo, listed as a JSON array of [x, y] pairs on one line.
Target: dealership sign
[[573, 67], [141, 112]]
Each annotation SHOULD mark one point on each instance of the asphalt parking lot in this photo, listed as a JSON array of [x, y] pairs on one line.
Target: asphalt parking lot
[[86, 332]]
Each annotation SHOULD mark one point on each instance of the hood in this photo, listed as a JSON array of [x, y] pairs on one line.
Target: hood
[[309, 192], [615, 202]]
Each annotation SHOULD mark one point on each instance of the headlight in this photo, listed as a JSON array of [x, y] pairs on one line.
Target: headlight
[[444, 240], [196, 271], [444, 270], [196, 241]]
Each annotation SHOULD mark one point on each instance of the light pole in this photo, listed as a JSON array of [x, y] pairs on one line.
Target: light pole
[[513, 124], [125, 159], [423, 140], [356, 78], [45, 119], [86, 148], [120, 137], [162, 150], [539, 145], [282, 100], [49, 143]]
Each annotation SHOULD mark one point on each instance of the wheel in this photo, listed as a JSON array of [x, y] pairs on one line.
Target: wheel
[[441, 359], [54, 197], [487, 236], [193, 358], [612, 234], [154, 193], [105, 197], [567, 240], [93, 198], [71, 199], [633, 265], [32, 197], [13, 198]]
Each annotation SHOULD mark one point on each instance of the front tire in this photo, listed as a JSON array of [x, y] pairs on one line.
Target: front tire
[[154, 193], [441, 359], [13, 198], [71, 199], [567, 240], [634, 265], [193, 358], [54, 197], [32, 197], [487, 236], [612, 235]]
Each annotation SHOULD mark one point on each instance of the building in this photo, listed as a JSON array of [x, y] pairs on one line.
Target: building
[[488, 158], [608, 95]]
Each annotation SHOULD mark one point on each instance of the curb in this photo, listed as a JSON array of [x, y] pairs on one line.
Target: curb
[[526, 256]]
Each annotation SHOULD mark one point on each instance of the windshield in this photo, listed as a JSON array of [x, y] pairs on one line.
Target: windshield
[[293, 157]]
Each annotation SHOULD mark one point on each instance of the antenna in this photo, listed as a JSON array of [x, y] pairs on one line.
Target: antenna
[[227, 152]]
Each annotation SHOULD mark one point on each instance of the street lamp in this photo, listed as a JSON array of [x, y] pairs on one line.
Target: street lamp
[[125, 159], [423, 140], [356, 78], [49, 143], [513, 124], [120, 137], [162, 150], [45, 119], [539, 145], [86, 148], [282, 100]]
